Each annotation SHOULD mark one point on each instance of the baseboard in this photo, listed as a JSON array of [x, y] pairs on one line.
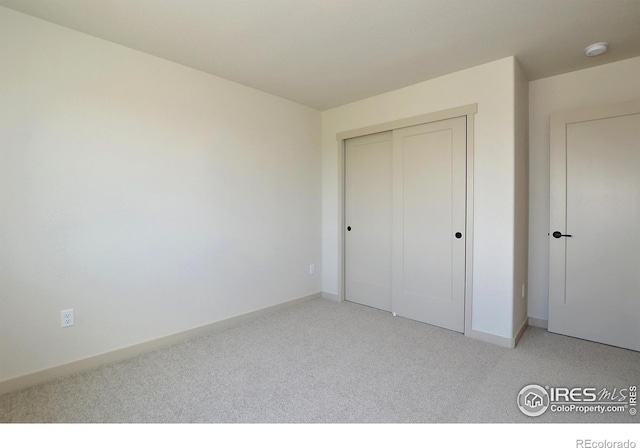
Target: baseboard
[[491, 338], [540, 323], [523, 327], [30, 379], [499, 340], [328, 295]]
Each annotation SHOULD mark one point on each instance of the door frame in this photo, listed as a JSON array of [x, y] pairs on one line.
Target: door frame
[[558, 123], [467, 111]]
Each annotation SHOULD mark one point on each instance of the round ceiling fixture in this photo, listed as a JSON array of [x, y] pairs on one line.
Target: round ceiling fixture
[[596, 49]]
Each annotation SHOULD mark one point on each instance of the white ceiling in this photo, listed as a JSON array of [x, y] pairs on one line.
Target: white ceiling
[[324, 53]]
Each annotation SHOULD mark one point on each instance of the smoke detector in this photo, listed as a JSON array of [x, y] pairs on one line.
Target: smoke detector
[[596, 49]]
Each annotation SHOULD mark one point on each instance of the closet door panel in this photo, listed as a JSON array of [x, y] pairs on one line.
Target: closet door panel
[[368, 220], [429, 204]]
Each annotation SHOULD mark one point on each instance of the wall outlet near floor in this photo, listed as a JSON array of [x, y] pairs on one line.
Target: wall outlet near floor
[[524, 291], [312, 269], [67, 318]]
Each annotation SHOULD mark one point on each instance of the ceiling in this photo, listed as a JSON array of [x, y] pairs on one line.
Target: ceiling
[[325, 53]]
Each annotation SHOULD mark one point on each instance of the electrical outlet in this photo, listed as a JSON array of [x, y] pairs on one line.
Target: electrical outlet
[[67, 318], [524, 291], [312, 269]]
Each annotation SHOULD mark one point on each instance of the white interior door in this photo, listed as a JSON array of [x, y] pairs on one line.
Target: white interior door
[[429, 206], [594, 290], [368, 219]]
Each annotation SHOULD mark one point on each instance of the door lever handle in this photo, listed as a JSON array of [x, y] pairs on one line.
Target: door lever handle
[[557, 234]]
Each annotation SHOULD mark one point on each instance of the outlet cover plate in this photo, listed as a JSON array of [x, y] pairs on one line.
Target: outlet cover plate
[[67, 318]]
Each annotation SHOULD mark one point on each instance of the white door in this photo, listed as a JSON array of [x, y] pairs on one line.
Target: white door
[[594, 278], [429, 206], [368, 219]]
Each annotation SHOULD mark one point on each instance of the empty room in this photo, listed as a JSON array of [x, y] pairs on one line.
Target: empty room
[[322, 211]]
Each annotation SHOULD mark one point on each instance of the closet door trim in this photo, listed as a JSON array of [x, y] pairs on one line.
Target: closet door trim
[[455, 112]]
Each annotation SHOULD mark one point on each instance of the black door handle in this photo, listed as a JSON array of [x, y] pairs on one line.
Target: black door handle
[[557, 234], [349, 229], [458, 235]]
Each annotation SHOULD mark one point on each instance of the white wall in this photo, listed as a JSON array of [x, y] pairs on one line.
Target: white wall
[[521, 198], [150, 197], [605, 84], [491, 86]]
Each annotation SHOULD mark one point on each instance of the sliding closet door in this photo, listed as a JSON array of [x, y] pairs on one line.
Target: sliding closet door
[[429, 206], [368, 220]]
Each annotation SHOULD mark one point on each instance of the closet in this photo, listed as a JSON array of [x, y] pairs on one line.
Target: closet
[[405, 221]]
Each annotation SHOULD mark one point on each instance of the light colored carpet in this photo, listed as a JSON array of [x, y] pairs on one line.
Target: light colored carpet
[[324, 361]]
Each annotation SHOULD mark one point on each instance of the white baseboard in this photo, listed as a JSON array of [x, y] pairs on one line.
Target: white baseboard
[[499, 340], [330, 296], [537, 322], [521, 330], [30, 379], [491, 338]]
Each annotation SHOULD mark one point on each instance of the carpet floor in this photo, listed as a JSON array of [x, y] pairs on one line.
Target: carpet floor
[[329, 362]]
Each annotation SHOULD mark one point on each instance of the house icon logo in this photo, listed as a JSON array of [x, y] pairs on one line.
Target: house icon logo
[[533, 400]]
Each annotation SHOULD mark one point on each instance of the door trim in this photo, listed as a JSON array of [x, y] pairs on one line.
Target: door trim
[[455, 112], [468, 112]]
